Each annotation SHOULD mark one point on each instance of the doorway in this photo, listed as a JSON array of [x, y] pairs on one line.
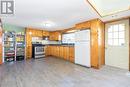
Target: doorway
[[117, 44]]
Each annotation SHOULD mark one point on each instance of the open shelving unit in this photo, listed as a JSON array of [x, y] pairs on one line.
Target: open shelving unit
[[14, 46], [20, 44], [9, 46]]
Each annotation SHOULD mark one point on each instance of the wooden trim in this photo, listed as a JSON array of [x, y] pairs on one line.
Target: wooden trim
[[119, 19], [129, 44], [116, 13], [94, 8], [108, 14]]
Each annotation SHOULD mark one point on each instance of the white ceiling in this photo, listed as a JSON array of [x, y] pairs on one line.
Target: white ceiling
[[57, 14], [60, 14]]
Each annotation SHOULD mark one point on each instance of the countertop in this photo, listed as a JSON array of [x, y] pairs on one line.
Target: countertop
[[61, 45]]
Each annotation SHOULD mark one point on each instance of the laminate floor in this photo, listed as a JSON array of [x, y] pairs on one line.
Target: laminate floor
[[54, 72]]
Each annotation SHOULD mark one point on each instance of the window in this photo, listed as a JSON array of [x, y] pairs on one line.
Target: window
[[116, 35], [68, 38]]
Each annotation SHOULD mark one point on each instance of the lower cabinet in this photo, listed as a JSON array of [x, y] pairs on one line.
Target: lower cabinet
[[63, 52], [71, 54]]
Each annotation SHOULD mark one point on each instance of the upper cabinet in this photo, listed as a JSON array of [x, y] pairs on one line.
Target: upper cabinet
[[37, 33], [45, 33], [55, 36]]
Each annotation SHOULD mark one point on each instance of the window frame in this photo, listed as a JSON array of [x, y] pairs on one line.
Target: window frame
[[119, 31], [67, 42]]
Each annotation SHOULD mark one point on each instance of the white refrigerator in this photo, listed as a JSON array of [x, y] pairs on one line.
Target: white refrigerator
[[82, 48]]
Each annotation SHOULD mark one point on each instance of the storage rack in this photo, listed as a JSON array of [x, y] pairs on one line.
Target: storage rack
[[20, 46], [9, 46]]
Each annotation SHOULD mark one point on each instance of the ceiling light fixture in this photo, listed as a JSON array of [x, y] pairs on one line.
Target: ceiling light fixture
[[48, 24]]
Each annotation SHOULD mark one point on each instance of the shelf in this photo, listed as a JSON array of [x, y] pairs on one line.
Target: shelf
[[20, 47], [9, 47], [9, 41], [9, 56], [20, 35], [9, 52], [20, 41]]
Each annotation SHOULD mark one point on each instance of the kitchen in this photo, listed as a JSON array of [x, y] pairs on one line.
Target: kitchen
[[61, 49], [60, 44]]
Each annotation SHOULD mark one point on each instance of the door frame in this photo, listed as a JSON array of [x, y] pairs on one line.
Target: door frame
[[129, 44]]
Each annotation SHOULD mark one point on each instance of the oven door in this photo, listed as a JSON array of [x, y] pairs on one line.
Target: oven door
[[39, 50]]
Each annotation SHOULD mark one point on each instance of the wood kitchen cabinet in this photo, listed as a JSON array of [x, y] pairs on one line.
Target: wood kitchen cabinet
[[71, 54], [47, 52], [36, 33], [55, 36], [45, 33], [63, 52], [66, 53]]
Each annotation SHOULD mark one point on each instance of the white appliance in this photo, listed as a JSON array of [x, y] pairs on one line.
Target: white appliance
[[82, 48]]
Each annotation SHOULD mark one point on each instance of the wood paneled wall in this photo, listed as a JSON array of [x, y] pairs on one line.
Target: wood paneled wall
[[0, 43], [97, 41], [28, 44]]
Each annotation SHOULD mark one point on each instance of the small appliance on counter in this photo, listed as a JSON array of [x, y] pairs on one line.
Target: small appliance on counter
[[38, 51]]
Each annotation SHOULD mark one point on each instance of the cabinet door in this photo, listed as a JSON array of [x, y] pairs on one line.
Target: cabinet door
[[51, 36], [54, 50], [40, 33], [56, 36], [50, 50], [65, 53], [57, 51], [47, 53], [61, 52], [45, 33], [71, 54]]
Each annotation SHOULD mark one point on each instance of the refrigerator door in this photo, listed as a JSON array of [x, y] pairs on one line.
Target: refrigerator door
[[82, 36], [82, 53]]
